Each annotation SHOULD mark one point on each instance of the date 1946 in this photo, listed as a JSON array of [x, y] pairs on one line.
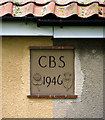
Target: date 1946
[[55, 80]]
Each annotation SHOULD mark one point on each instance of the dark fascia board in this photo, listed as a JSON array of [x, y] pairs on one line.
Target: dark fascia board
[[10, 18], [70, 22], [58, 21]]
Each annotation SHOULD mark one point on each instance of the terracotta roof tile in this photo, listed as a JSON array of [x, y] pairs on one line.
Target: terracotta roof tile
[[61, 8], [60, 2]]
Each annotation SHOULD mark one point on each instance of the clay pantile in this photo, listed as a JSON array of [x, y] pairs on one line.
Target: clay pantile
[[61, 8]]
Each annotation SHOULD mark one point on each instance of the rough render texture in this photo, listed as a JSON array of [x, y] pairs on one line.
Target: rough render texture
[[89, 81], [89, 65], [16, 79], [0, 75], [104, 82]]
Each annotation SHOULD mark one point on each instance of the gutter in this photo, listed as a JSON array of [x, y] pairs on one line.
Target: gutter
[[59, 21], [70, 22]]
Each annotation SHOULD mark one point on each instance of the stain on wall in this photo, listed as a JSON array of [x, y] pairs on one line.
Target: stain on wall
[[16, 79], [89, 77]]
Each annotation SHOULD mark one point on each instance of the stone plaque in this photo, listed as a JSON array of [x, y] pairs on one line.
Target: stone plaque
[[52, 71]]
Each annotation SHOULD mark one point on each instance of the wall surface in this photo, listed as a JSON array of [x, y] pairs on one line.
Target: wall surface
[[0, 68], [88, 79], [0, 77], [16, 80]]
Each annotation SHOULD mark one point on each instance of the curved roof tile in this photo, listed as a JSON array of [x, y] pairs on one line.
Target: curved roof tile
[[18, 8], [59, 2]]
